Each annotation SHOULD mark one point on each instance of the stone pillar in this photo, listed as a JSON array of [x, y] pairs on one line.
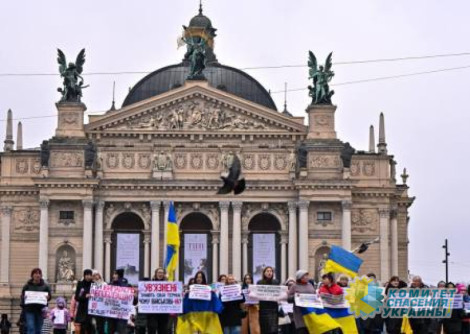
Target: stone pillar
[[384, 244], [166, 206], [70, 120], [224, 237], [155, 238], [43, 235], [394, 239], [236, 240], [98, 265], [346, 225], [321, 121], [107, 251], [284, 240], [87, 233], [146, 254], [303, 234], [292, 238], [245, 252], [5, 255], [215, 255]]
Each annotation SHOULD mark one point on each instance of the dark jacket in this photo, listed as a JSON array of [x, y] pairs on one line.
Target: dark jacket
[[232, 313], [83, 289], [454, 323], [41, 287], [420, 325], [268, 311], [393, 325]]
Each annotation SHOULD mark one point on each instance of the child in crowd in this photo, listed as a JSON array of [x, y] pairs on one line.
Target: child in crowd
[[5, 324], [47, 324], [60, 317]]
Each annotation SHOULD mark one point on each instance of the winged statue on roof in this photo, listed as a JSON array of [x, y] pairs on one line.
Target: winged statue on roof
[[321, 75], [71, 73]]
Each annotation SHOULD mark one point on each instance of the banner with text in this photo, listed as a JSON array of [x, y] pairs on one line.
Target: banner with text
[[308, 300], [200, 292], [160, 297], [35, 297], [111, 301], [268, 292], [128, 255], [195, 255], [264, 253], [231, 292]]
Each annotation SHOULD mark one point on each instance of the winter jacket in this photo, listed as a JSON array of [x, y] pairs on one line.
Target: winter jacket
[[83, 289], [393, 325], [334, 289], [53, 315], [294, 289], [268, 311], [232, 313], [31, 286]]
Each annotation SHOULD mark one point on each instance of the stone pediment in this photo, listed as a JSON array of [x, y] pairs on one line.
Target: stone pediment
[[195, 108]]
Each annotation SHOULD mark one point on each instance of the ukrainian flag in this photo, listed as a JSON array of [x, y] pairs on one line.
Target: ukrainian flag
[[200, 316], [172, 243], [342, 261], [319, 321]]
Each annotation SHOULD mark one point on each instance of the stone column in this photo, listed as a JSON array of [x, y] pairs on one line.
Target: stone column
[[292, 238], [394, 239], [43, 235], [146, 254], [215, 255], [384, 244], [87, 233], [155, 239], [107, 251], [99, 236], [284, 240], [224, 237], [166, 206], [303, 234], [236, 240], [346, 225], [5, 255], [245, 252]]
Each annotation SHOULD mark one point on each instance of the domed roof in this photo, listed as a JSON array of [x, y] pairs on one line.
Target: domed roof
[[200, 21], [219, 76]]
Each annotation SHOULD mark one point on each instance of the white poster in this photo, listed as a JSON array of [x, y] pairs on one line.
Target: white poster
[[111, 301], [160, 297], [128, 255], [264, 253], [195, 255]]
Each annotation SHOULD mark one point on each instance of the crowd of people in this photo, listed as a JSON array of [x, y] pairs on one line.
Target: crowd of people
[[236, 316]]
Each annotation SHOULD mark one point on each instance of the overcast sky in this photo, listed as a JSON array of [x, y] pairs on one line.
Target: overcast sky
[[427, 116]]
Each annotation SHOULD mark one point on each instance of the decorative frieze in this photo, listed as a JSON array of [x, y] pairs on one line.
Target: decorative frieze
[[128, 160], [26, 219], [364, 221], [66, 159], [144, 160], [324, 161]]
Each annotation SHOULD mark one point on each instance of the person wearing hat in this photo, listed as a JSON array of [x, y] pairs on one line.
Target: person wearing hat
[[60, 316], [118, 325], [302, 285], [82, 295]]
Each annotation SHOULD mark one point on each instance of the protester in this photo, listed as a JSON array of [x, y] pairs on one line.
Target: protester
[[5, 324], [34, 312], [232, 314], [158, 322], [82, 295], [21, 323], [99, 323], [375, 324], [73, 314], [329, 286], [286, 323], [466, 319], [60, 317], [343, 281], [419, 325], [268, 310], [47, 324], [140, 319], [453, 325], [222, 278], [393, 325], [132, 317], [250, 323], [301, 285], [118, 325]]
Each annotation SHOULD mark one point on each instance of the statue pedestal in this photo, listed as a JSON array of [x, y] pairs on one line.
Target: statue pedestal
[[346, 174], [44, 171], [70, 120], [321, 121], [64, 288], [162, 174]]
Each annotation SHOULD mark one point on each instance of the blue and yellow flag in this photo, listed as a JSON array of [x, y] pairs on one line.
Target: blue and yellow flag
[[172, 243], [342, 261], [200, 316], [319, 321]]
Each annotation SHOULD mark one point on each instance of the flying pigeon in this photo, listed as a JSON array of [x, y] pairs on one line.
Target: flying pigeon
[[365, 246], [233, 182]]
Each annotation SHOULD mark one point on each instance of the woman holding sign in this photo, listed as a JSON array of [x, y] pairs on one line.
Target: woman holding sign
[[35, 296], [268, 310], [301, 286], [250, 324], [158, 322], [232, 299]]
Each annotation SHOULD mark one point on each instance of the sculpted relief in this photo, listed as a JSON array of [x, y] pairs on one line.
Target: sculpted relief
[[364, 221], [66, 159], [26, 220], [25, 166], [324, 161], [364, 168], [195, 115]]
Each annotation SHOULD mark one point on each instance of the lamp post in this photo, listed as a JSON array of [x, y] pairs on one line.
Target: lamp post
[[446, 261]]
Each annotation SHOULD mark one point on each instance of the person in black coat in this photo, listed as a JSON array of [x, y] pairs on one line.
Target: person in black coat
[[419, 325], [393, 325], [158, 322], [268, 310], [453, 325], [82, 295], [232, 314], [118, 325]]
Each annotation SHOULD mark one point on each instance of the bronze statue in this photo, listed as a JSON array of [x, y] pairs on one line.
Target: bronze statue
[[45, 153], [346, 155], [197, 57], [73, 81], [90, 155], [320, 92]]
